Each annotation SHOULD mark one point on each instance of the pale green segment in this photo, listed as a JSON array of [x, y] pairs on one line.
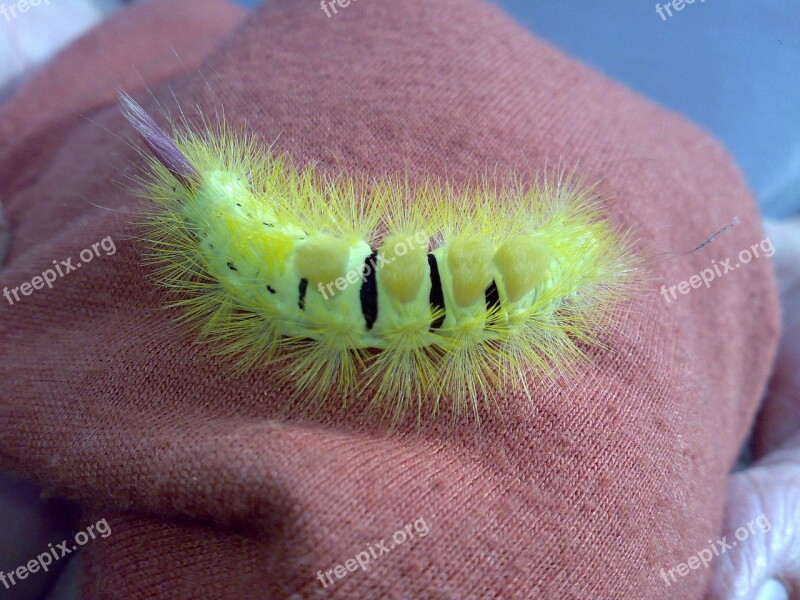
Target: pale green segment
[[232, 225]]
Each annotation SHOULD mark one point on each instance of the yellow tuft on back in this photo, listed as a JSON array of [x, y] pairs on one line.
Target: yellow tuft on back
[[322, 259], [523, 263], [470, 263], [405, 266]]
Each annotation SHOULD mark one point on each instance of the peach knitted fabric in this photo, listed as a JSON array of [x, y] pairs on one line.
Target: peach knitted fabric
[[210, 490]]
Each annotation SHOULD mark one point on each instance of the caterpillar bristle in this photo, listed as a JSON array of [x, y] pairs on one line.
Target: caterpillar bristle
[[423, 295]]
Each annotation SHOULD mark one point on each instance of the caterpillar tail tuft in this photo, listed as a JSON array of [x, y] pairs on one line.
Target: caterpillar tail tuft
[[424, 294]]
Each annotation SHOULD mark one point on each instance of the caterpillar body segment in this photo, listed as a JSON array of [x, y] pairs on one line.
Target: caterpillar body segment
[[428, 293]]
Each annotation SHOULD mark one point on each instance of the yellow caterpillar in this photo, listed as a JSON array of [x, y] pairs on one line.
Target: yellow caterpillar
[[427, 293]]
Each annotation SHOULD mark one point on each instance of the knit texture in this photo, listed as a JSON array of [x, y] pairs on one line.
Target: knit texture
[[213, 490]]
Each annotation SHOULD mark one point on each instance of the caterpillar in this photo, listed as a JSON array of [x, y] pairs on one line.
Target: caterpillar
[[429, 292]]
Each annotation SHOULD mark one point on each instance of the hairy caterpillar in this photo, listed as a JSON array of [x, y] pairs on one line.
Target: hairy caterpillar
[[429, 293]]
